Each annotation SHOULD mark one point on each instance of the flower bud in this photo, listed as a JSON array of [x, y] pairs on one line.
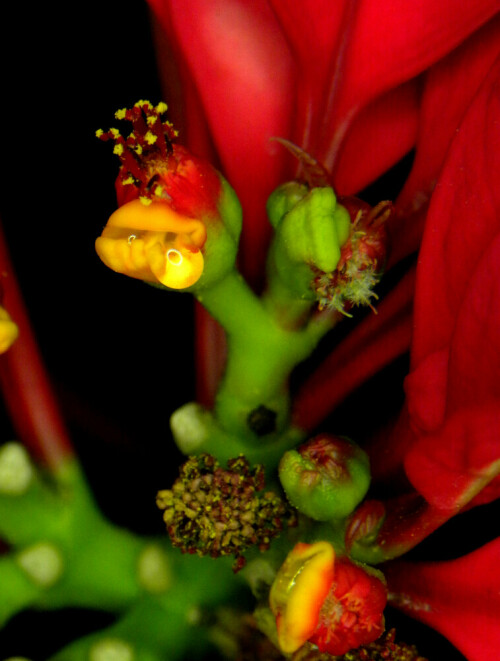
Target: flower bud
[[364, 524], [310, 229], [178, 221], [283, 199], [325, 478], [327, 600]]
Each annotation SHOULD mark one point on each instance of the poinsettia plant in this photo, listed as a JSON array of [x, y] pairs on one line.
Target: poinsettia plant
[[298, 110]]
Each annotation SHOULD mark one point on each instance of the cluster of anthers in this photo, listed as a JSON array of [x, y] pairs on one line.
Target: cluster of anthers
[[144, 154], [361, 262], [215, 511]]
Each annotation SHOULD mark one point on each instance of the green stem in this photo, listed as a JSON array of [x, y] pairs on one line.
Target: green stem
[[261, 355], [18, 591]]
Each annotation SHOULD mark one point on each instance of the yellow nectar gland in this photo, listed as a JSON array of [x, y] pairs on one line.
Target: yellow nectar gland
[[8, 330], [153, 243], [298, 592]]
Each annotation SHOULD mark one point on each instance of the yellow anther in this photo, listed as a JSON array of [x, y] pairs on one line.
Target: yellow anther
[[150, 138], [118, 149], [120, 114]]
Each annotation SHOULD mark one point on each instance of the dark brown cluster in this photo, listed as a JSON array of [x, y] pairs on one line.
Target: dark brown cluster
[[362, 259], [215, 511], [384, 648]]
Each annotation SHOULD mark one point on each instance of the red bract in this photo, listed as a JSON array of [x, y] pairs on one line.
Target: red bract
[[262, 69], [453, 392], [357, 85], [24, 381], [459, 598]]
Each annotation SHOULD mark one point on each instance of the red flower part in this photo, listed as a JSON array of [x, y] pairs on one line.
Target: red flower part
[[154, 168], [352, 613], [379, 136], [341, 71], [339, 66], [456, 330], [449, 88], [327, 600], [453, 390], [459, 598], [451, 467], [362, 258], [346, 64], [404, 522], [365, 522]]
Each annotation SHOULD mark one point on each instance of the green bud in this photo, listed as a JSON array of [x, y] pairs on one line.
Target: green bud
[[326, 478], [284, 198], [310, 232], [315, 228]]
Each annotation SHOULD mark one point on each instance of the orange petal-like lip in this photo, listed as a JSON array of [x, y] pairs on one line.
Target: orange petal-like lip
[[158, 217]]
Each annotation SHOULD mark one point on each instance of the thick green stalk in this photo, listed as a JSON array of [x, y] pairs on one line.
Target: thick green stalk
[[261, 355]]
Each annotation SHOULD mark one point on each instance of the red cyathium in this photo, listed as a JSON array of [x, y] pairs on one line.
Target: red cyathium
[[154, 167], [352, 613]]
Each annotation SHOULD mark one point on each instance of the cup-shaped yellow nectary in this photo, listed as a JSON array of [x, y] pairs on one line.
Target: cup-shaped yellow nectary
[[298, 592], [152, 242]]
